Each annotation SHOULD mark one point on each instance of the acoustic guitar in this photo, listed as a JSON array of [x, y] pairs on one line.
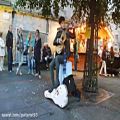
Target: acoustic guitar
[[59, 48], [63, 37]]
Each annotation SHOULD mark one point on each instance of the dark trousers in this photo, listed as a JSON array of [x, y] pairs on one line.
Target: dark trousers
[[37, 65], [10, 59]]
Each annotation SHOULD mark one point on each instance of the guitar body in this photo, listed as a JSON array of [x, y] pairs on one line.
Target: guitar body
[[58, 95], [59, 48]]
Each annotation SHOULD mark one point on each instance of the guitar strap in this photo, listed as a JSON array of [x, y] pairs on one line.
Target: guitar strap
[[65, 61]]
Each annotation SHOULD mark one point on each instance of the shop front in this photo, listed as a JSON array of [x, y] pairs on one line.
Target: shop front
[[105, 38]]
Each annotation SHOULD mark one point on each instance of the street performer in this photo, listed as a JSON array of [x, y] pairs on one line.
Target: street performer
[[62, 43]]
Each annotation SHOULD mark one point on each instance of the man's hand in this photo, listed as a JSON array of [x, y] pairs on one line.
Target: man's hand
[[59, 40]]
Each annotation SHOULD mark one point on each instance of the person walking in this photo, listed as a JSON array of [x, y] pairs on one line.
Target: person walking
[[37, 53], [104, 59], [46, 55], [2, 52], [112, 61], [9, 45]]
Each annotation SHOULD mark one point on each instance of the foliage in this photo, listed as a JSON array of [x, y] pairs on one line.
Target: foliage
[[102, 8], [116, 11]]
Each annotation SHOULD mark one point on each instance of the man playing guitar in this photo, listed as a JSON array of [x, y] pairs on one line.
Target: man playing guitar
[[62, 43]]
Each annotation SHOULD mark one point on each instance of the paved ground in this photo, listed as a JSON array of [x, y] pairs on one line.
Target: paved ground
[[21, 97]]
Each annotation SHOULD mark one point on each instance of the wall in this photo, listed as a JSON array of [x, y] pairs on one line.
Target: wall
[[29, 23], [116, 33], [52, 33], [5, 21]]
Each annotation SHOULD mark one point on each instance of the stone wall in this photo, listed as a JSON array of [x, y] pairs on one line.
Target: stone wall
[[52, 33], [47, 29], [5, 21]]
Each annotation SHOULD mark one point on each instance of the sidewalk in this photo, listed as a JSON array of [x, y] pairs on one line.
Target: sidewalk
[[21, 97]]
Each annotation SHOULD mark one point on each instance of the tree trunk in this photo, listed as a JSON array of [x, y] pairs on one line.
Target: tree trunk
[[90, 73], [92, 25]]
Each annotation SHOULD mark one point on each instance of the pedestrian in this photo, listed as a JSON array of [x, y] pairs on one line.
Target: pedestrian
[[30, 53], [20, 48], [112, 55], [9, 45], [104, 59], [37, 53], [111, 59], [2, 52], [46, 55]]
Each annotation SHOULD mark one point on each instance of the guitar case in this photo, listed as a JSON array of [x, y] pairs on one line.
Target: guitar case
[[58, 95]]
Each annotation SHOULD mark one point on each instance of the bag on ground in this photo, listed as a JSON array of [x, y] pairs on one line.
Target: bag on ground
[[70, 83]]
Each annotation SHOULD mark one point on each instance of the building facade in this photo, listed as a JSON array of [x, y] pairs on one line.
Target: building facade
[[48, 27]]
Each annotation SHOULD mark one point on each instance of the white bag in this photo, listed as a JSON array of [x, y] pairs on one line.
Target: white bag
[[68, 71]]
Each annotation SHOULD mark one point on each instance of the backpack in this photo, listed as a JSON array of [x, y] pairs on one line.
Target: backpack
[[71, 87]]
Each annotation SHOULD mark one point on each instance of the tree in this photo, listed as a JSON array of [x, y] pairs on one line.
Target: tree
[[97, 13]]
